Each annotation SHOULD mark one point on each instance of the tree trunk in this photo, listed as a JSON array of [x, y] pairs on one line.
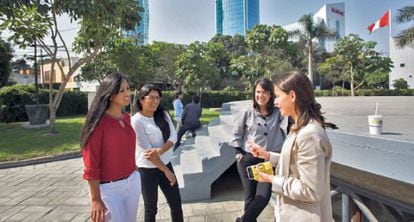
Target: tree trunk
[[352, 82], [52, 120], [52, 110], [310, 73]]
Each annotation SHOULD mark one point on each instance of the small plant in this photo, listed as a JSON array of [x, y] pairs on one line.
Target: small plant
[[400, 83]]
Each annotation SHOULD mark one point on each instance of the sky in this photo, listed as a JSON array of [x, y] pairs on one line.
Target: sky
[[186, 21]]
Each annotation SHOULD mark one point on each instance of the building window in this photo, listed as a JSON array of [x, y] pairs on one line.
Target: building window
[[337, 27], [402, 65], [53, 76], [47, 74]]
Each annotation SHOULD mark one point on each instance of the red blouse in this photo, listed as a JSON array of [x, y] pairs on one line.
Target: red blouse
[[110, 151]]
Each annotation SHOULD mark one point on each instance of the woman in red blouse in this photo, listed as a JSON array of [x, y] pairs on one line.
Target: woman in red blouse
[[108, 150]]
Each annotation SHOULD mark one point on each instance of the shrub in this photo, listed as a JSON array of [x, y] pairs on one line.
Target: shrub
[[13, 98], [400, 83], [366, 92], [208, 99]]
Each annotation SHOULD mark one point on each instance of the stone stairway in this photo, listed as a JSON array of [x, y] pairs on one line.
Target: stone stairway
[[200, 161]]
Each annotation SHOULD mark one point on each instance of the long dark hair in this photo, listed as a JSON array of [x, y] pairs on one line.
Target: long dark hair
[[305, 104], [267, 85], [159, 115], [109, 86]]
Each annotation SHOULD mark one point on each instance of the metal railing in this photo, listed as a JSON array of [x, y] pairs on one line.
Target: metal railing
[[354, 197]]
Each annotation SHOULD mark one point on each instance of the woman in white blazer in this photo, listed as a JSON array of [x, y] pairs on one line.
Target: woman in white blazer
[[302, 176]]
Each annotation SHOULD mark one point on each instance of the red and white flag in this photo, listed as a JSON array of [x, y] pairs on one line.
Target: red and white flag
[[382, 22]]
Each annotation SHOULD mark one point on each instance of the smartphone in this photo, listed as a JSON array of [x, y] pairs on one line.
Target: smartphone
[[253, 170]]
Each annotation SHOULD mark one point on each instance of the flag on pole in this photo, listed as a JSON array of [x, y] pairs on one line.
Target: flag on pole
[[382, 22]]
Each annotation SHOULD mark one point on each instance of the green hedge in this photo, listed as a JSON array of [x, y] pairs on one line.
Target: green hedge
[[366, 92], [211, 99], [216, 98], [13, 98]]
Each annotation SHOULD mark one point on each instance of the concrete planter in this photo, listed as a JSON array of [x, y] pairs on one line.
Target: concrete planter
[[38, 114]]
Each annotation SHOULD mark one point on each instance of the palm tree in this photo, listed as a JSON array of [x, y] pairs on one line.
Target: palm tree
[[406, 36], [312, 30]]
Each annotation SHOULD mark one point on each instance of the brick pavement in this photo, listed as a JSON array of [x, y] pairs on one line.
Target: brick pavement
[[55, 191]]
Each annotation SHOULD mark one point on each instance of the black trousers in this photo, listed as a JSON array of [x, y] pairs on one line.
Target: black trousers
[[181, 132], [151, 178], [256, 195]]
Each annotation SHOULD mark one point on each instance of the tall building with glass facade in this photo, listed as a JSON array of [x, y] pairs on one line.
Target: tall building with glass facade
[[236, 16], [142, 30]]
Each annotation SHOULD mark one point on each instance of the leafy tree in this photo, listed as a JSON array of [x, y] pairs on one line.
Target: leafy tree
[[269, 46], [221, 58], [247, 68], [5, 65], [196, 69], [356, 59], [310, 31], [406, 36], [400, 83], [235, 45], [377, 80], [100, 21], [98, 68], [232, 47], [165, 56], [332, 69], [296, 56]]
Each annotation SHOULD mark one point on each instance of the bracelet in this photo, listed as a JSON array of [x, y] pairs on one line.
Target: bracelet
[[239, 156]]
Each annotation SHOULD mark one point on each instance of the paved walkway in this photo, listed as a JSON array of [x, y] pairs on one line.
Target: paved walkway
[[56, 192]]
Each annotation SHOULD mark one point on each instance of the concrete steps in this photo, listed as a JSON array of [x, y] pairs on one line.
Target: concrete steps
[[199, 161]]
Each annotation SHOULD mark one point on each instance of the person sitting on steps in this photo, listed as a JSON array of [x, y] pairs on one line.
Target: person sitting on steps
[[190, 119]]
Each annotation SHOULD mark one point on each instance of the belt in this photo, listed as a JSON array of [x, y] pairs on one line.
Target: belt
[[104, 182]]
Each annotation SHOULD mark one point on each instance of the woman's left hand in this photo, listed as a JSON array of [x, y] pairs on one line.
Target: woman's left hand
[[264, 177], [151, 154]]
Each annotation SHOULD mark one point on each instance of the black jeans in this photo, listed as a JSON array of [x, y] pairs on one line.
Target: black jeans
[[256, 195], [151, 178]]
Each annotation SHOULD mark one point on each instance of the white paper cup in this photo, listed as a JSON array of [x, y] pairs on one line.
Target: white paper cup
[[375, 123]]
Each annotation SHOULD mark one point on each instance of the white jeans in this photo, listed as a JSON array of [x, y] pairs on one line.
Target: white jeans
[[121, 198]]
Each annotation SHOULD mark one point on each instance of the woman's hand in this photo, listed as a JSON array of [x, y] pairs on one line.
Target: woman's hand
[[152, 154], [257, 151], [264, 177], [170, 176], [98, 210]]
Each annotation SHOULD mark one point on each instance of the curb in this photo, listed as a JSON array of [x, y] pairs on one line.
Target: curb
[[40, 160]]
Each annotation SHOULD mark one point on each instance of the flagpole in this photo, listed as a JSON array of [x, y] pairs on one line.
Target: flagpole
[[390, 39], [390, 22]]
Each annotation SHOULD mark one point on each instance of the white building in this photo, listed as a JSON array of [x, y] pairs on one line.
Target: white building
[[334, 17], [403, 61]]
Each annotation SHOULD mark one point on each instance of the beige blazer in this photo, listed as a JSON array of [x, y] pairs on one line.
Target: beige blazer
[[302, 175]]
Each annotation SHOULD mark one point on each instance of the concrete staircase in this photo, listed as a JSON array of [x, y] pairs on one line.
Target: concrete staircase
[[199, 161]]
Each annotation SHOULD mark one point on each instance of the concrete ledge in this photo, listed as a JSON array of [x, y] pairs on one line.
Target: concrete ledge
[[40, 160], [393, 192]]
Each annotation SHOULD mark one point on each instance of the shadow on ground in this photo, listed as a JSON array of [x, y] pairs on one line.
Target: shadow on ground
[[228, 186]]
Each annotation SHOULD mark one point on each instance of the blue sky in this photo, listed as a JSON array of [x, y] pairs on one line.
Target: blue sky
[[185, 21]]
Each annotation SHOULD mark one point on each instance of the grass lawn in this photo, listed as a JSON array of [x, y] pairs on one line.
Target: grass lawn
[[18, 143]]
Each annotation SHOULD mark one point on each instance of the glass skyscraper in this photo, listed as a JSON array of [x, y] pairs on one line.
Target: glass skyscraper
[[142, 30], [236, 16]]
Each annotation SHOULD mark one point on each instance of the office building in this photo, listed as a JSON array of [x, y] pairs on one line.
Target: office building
[[236, 16], [142, 30], [333, 15]]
